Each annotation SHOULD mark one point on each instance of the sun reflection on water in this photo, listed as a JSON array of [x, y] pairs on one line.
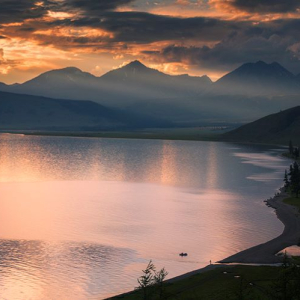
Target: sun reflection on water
[[80, 215]]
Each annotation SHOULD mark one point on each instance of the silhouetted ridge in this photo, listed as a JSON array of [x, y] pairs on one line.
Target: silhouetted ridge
[[277, 128]]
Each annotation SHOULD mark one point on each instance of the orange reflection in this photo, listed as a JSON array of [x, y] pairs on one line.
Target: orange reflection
[[168, 165], [212, 167]]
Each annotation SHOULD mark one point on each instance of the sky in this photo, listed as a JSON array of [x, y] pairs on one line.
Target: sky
[[197, 37]]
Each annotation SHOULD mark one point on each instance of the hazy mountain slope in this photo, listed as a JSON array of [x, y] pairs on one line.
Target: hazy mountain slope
[[138, 81], [258, 79], [4, 87], [68, 83], [131, 83], [278, 128], [34, 112]]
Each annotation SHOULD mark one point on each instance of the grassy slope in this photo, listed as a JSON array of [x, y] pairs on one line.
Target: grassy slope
[[217, 285], [277, 128], [166, 134], [293, 201]]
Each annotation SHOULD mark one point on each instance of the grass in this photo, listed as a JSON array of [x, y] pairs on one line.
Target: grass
[[293, 201], [296, 259], [195, 133], [228, 282]]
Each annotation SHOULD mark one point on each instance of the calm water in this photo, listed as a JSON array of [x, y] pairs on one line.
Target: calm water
[[81, 217]]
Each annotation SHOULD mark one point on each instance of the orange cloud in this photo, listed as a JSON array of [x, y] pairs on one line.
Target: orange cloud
[[235, 12]]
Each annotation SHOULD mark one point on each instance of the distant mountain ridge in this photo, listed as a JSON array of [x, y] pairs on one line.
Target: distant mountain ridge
[[115, 88], [251, 91], [135, 80], [259, 78]]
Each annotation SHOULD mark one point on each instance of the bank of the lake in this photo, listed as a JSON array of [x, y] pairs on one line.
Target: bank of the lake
[[266, 253], [257, 267], [211, 133]]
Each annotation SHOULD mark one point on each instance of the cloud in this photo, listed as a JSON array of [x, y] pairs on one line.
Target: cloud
[[85, 7], [138, 27], [95, 6], [260, 6], [5, 64], [276, 41], [123, 28], [20, 10]]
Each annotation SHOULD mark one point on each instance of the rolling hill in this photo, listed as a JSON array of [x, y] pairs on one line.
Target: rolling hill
[[277, 128], [20, 112]]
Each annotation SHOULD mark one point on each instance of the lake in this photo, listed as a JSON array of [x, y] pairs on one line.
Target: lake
[[81, 217]]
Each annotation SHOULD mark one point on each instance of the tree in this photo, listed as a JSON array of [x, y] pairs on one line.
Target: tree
[[286, 180], [291, 148], [147, 279], [296, 152], [295, 178], [287, 287], [152, 281], [159, 278]]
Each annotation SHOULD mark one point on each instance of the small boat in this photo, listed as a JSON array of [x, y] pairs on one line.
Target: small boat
[[183, 254]]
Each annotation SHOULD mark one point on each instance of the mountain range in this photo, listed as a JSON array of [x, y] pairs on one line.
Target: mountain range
[[132, 82], [251, 91]]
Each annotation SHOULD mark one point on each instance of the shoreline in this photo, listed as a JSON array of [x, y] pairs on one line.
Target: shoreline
[[262, 254], [265, 253], [136, 135]]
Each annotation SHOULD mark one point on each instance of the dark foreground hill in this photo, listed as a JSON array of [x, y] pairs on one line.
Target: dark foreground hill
[[277, 128], [21, 112]]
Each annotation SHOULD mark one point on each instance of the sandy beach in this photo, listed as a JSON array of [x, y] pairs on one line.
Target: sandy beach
[[266, 253]]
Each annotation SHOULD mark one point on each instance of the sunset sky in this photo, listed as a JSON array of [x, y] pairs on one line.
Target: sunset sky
[[175, 36]]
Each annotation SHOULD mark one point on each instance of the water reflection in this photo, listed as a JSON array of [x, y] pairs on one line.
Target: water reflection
[[81, 217], [75, 270]]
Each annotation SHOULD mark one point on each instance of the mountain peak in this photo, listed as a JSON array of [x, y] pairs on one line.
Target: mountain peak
[[260, 68], [261, 63], [259, 78], [136, 64], [70, 69], [66, 71], [65, 76], [134, 70]]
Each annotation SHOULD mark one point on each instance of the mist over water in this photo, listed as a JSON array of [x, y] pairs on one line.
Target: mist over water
[[81, 217]]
